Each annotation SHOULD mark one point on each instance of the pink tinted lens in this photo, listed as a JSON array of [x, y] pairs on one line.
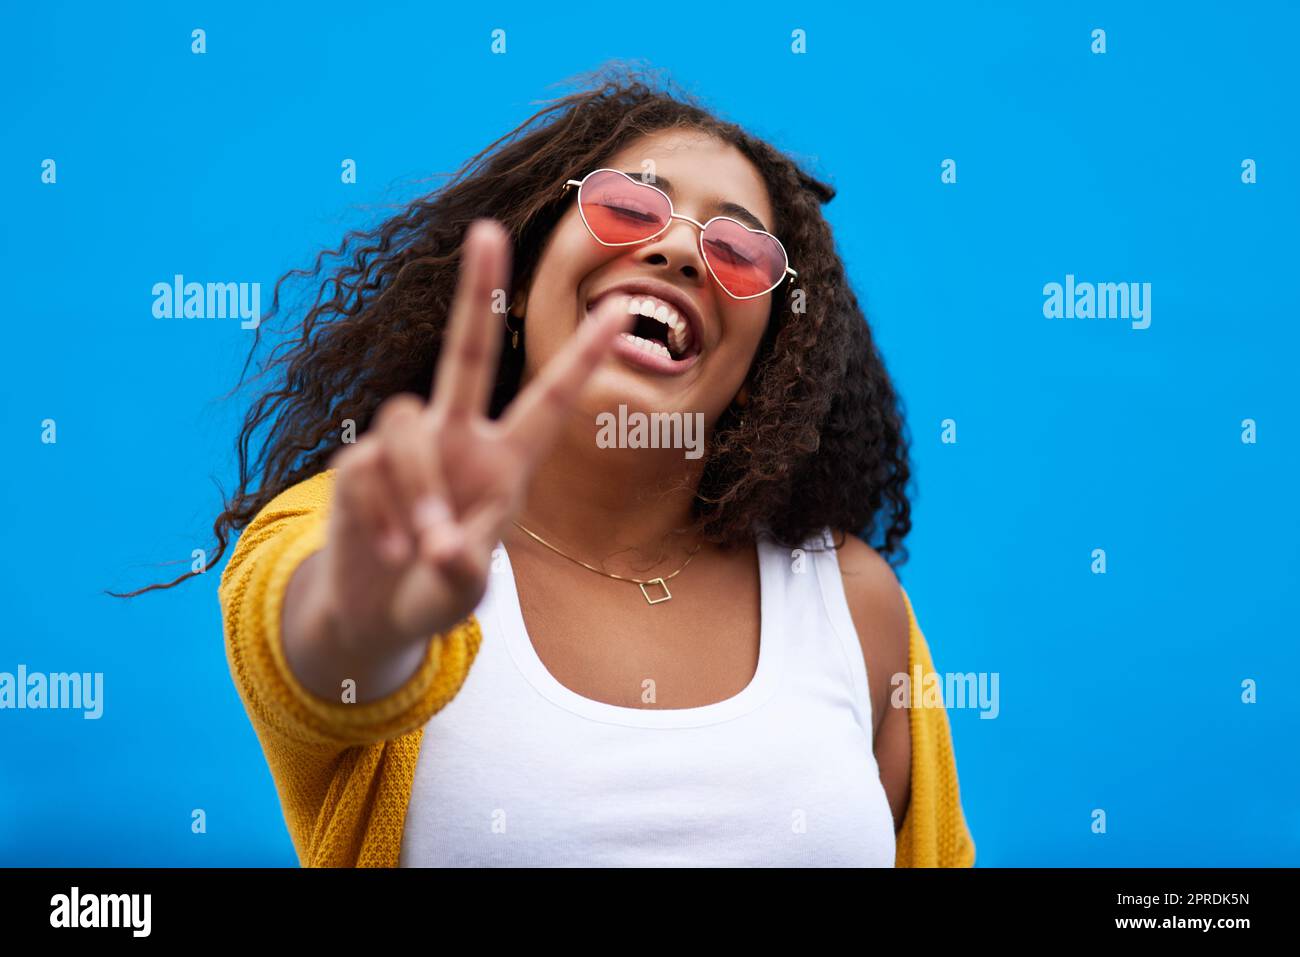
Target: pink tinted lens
[[619, 210], [746, 263]]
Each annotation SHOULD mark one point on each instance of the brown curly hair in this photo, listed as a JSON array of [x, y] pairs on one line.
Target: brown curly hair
[[822, 441]]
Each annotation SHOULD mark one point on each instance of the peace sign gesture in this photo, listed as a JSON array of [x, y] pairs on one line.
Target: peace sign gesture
[[424, 496]]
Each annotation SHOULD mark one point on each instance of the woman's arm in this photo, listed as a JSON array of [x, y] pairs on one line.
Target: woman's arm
[[913, 745], [879, 615], [421, 500], [326, 754], [347, 603], [322, 662], [288, 709]]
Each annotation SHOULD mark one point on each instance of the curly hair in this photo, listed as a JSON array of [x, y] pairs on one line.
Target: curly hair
[[822, 442]]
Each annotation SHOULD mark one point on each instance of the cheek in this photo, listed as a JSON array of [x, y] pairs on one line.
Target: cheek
[[744, 326], [552, 310], [733, 357], [568, 258]]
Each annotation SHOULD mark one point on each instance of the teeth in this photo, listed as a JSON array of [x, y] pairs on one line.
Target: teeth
[[679, 336], [677, 332], [647, 345]]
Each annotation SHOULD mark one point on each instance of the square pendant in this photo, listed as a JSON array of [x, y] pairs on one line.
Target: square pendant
[[662, 584]]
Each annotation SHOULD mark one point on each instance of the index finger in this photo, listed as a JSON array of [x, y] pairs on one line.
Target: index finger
[[534, 418], [472, 344]]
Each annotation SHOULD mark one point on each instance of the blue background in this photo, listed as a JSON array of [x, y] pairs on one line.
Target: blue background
[[1119, 691]]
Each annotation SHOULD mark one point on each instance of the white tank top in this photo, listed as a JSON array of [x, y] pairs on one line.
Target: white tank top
[[517, 770]]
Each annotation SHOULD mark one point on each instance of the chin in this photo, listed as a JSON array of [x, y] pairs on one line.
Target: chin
[[615, 384]]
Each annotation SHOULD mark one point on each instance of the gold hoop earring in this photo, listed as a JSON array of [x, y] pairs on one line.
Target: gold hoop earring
[[514, 333]]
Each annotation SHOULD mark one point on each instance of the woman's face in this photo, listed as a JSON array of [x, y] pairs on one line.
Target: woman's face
[[709, 345]]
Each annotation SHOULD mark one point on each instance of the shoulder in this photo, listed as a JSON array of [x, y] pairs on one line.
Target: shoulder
[[298, 510], [305, 495], [872, 588], [880, 615]]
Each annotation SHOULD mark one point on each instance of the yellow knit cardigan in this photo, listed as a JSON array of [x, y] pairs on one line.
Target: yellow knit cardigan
[[344, 771]]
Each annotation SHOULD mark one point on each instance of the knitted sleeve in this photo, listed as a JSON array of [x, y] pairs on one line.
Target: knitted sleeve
[[934, 832], [314, 746]]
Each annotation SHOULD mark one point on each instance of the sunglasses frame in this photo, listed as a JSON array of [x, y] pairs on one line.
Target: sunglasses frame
[[673, 214]]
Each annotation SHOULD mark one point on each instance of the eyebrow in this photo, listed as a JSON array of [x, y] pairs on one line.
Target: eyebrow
[[723, 206]]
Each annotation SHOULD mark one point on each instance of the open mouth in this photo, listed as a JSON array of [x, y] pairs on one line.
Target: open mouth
[[659, 329]]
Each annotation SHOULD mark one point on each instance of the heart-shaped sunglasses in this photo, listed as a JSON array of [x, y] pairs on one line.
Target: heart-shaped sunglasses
[[621, 211]]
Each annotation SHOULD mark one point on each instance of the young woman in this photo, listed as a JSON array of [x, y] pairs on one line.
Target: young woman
[[479, 617]]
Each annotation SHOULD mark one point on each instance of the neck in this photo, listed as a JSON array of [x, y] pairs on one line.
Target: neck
[[622, 507]]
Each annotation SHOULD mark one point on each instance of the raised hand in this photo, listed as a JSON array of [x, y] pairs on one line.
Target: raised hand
[[425, 495]]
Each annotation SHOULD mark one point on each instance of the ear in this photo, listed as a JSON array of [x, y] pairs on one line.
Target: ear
[[519, 304], [742, 395]]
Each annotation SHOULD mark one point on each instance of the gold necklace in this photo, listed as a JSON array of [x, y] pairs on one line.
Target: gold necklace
[[661, 582]]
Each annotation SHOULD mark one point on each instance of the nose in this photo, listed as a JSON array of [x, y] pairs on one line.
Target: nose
[[676, 249]]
